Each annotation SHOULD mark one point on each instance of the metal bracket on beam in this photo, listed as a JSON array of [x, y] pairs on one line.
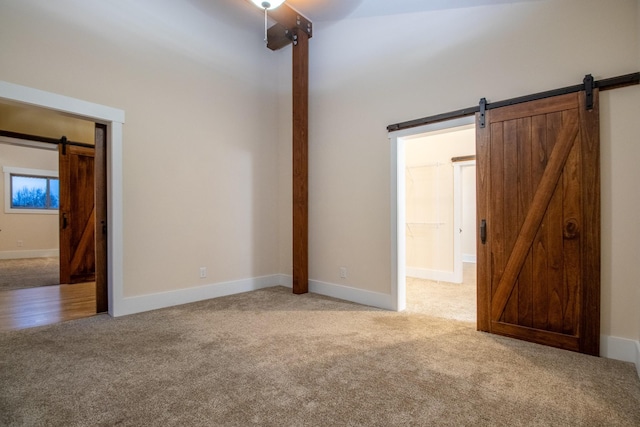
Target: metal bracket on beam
[[483, 109], [303, 24], [588, 90], [288, 22]]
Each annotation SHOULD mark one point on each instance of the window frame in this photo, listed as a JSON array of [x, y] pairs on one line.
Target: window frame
[[36, 173]]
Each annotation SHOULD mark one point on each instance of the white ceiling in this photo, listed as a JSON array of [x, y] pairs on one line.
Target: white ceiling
[[333, 10], [245, 13]]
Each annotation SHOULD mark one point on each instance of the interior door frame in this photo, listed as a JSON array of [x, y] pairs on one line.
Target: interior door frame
[[113, 119], [397, 141]]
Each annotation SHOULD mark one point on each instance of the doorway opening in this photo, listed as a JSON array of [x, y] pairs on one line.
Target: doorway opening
[[110, 122], [38, 282], [435, 224]]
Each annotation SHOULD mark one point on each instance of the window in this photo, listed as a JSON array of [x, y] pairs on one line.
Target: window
[[34, 192], [31, 190]]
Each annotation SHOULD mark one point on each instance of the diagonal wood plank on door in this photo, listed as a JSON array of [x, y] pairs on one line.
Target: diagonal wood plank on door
[[86, 239], [534, 216]]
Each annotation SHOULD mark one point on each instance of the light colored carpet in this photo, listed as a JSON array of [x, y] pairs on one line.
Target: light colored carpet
[[29, 273], [271, 358], [456, 301]]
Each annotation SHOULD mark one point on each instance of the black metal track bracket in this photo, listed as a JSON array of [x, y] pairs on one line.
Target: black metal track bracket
[[588, 85], [63, 142], [483, 109], [588, 91]]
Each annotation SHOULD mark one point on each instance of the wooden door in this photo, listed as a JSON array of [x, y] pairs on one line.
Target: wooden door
[[77, 214], [538, 189]]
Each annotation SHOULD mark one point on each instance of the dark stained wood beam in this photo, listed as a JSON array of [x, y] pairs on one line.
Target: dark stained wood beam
[[278, 36], [293, 27], [300, 162], [288, 21], [463, 158]]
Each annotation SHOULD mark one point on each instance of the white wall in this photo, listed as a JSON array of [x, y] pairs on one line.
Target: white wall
[[368, 73], [620, 152], [36, 232], [200, 145]]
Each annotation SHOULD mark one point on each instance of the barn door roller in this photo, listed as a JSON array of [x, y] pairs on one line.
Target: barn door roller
[[63, 143], [483, 109], [588, 90]]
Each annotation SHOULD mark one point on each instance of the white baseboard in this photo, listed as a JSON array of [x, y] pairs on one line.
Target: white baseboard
[[347, 293], [286, 280], [435, 275], [622, 349], [638, 358], [138, 304], [469, 258], [37, 253], [359, 296]]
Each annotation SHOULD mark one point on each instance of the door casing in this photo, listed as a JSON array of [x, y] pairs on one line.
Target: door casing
[[398, 301], [113, 119]]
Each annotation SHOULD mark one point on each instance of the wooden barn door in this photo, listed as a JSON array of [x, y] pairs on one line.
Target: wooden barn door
[[538, 188], [77, 214]]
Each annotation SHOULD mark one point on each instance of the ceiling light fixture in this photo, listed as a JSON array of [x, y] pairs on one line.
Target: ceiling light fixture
[[267, 5]]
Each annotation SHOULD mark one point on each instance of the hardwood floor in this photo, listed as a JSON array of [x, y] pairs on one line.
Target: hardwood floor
[[46, 305]]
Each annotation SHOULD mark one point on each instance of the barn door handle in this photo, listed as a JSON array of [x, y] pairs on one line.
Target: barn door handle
[[64, 221], [483, 231]]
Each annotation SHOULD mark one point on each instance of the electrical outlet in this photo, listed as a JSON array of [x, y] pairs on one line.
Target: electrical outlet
[[20, 243], [343, 272], [203, 272]]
